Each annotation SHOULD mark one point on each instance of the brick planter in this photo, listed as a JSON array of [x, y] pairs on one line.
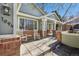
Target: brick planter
[[10, 46]]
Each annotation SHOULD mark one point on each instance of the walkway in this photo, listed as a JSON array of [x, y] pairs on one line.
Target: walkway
[[38, 48]]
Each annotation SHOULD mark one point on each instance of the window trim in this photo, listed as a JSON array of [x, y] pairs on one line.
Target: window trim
[[27, 19]]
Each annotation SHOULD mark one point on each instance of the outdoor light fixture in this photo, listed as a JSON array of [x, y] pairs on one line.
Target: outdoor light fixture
[[5, 10]]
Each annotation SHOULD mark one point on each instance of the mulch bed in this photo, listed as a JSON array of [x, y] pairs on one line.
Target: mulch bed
[[64, 50]]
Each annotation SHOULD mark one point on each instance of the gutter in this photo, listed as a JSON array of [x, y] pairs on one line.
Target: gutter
[[54, 13], [26, 15]]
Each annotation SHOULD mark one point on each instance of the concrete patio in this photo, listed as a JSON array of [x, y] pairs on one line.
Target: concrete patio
[[37, 48]]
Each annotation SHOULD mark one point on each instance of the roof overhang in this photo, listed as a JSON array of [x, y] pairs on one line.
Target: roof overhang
[[26, 15], [35, 17], [53, 20], [50, 15]]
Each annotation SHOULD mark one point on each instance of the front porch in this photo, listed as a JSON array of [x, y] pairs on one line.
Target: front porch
[[38, 48]]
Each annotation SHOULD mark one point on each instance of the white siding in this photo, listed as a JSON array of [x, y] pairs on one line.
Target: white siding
[[4, 27]]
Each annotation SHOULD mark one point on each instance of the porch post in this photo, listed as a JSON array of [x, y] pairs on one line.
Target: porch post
[[44, 25], [61, 27], [54, 25], [54, 32]]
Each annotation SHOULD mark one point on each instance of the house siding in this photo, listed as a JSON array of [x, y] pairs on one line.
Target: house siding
[[4, 27]]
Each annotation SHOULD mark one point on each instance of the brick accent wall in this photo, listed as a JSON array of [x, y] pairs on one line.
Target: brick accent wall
[[10, 46], [58, 36]]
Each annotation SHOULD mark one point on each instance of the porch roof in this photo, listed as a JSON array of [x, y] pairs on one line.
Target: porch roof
[[51, 16]]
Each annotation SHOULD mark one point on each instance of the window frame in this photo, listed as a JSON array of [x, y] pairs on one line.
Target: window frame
[[27, 19]]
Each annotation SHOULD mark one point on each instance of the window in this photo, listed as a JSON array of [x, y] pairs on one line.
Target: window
[[26, 24], [35, 24], [21, 23], [29, 25]]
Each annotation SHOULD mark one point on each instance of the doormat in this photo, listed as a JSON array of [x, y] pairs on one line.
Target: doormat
[[64, 50]]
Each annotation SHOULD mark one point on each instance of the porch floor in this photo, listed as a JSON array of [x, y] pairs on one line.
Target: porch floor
[[37, 48]]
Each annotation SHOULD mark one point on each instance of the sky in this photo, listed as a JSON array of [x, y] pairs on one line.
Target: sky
[[72, 11]]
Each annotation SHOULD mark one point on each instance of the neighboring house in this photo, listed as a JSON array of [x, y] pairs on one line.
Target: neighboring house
[[70, 22]]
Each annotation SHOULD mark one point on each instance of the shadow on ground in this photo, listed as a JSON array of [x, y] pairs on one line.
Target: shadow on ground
[[64, 50]]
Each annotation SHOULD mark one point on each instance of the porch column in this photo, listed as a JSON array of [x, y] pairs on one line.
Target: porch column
[[54, 25], [44, 26], [54, 28], [61, 27]]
